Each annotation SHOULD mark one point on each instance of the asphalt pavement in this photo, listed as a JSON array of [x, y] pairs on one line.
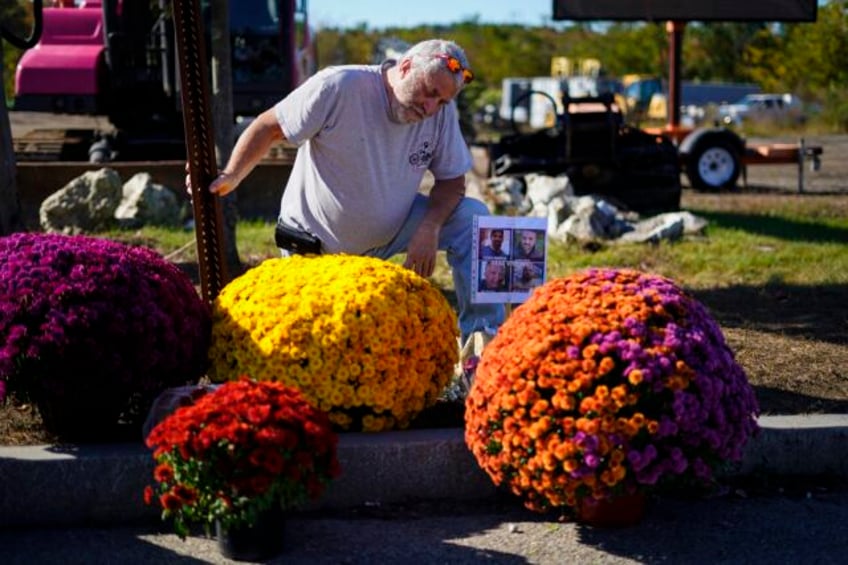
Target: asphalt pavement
[[802, 525], [417, 497]]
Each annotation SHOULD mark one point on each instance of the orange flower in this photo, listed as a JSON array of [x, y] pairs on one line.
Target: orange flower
[[586, 386], [635, 377]]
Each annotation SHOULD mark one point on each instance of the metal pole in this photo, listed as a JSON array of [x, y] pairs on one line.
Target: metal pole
[[200, 148], [675, 43]]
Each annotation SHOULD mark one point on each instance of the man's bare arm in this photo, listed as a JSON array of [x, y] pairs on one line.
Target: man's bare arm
[[250, 149], [444, 197]]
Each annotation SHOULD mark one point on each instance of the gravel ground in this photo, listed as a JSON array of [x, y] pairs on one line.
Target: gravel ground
[[832, 178]]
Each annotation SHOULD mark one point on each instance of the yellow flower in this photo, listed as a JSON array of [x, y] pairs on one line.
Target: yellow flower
[[360, 337]]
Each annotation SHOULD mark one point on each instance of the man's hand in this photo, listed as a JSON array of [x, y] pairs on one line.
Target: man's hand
[[223, 184], [421, 253]]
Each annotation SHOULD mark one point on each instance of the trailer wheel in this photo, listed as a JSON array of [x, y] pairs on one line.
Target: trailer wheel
[[713, 164]]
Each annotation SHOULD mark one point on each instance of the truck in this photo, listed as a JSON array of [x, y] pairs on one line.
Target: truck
[[118, 59], [713, 157]]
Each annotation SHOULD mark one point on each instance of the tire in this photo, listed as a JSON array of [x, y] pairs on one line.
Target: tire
[[100, 152], [713, 164]]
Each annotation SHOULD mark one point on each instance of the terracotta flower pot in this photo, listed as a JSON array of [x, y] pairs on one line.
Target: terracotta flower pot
[[618, 512], [262, 541]]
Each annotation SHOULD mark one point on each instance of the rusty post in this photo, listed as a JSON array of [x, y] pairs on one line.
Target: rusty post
[[200, 148]]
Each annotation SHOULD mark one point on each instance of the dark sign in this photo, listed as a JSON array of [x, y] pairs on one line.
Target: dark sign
[[683, 10]]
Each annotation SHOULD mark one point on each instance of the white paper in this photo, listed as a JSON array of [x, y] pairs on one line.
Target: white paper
[[509, 258]]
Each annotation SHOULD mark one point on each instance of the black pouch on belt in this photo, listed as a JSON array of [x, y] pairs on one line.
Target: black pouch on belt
[[296, 241]]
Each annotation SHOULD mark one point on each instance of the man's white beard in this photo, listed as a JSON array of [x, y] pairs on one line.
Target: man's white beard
[[403, 114]]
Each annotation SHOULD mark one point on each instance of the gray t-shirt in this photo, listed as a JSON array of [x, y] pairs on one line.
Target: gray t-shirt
[[357, 172]]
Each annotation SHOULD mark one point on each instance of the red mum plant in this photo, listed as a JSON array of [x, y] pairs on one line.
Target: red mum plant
[[607, 383], [238, 451]]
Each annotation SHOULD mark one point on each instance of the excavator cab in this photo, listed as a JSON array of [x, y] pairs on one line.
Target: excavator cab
[[117, 58]]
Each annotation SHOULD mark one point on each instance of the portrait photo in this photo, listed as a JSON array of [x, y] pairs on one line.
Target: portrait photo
[[526, 275], [495, 243], [529, 245], [494, 276], [508, 257]]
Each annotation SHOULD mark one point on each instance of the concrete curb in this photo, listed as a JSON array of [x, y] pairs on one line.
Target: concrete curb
[[103, 484]]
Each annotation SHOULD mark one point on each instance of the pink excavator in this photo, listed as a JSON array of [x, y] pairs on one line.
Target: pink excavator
[[118, 59]]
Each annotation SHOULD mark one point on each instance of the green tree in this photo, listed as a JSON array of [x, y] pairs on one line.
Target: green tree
[[814, 55], [634, 48], [715, 50], [16, 17]]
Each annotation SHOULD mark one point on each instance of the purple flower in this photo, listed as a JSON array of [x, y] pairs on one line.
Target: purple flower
[[657, 382], [94, 325]]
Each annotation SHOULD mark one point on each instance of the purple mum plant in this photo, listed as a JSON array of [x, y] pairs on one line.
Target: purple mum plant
[[93, 330]]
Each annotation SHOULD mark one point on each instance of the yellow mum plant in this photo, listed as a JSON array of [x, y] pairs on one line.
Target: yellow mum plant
[[367, 341]]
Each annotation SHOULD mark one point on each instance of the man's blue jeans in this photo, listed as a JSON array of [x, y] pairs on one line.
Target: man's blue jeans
[[455, 238]]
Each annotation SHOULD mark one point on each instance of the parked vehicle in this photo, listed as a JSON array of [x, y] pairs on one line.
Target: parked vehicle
[[645, 96], [760, 107], [592, 136], [118, 59]]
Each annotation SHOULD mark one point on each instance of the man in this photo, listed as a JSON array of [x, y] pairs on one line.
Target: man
[[495, 246], [365, 136], [526, 275], [526, 248], [494, 277]]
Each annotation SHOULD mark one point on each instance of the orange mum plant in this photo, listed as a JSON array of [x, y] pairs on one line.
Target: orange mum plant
[[604, 383]]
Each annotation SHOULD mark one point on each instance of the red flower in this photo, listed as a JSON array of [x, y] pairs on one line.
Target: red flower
[[171, 501], [148, 495], [258, 414], [259, 484], [163, 473], [268, 459], [245, 445], [187, 494]]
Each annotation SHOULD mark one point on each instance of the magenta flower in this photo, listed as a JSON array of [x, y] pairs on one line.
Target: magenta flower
[[92, 330]]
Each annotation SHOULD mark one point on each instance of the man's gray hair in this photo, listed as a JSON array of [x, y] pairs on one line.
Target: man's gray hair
[[426, 54]]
